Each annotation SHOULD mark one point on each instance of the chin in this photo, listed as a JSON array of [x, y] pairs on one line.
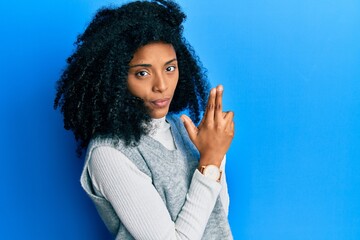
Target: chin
[[159, 113]]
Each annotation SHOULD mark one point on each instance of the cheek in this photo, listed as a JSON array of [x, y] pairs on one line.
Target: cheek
[[132, 85], [138, 88], [176, 82]]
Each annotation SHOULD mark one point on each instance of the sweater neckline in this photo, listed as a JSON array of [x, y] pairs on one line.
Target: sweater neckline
[[162, 124]]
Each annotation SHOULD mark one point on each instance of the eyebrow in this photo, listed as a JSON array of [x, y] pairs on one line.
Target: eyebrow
[[149, 65]]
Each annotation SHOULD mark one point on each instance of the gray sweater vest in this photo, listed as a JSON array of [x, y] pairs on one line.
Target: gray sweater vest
[[171, 173]]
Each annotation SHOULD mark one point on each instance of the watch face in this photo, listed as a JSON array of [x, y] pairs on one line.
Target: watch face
[[212, 172]]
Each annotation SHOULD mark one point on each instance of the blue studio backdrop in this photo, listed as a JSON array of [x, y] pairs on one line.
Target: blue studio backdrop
[[291, 72]]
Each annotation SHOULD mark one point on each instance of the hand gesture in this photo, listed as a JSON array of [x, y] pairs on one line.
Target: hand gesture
[[215, 132]]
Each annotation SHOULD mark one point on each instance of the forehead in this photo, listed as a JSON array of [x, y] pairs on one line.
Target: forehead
[[154, 52]]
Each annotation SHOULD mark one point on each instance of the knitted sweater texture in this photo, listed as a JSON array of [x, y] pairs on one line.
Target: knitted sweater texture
[[171, 173]]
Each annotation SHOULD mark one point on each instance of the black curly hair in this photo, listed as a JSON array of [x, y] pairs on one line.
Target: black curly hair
[[92, 92]]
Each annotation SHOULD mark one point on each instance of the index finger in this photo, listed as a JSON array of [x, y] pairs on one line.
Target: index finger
[[209, 113], [218, 103]]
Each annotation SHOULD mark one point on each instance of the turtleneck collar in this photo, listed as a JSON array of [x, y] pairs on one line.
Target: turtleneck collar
[[158, 126], [158, 123], [160, 131]]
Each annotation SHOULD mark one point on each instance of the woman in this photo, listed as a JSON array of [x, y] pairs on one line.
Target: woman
[[149, 174]]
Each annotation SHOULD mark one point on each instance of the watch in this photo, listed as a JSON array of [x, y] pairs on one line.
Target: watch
[[211, 171]]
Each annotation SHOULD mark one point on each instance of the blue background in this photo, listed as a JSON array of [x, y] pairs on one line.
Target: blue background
[[291, 72]]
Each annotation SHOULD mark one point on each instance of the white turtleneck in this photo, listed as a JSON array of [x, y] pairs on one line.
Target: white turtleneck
[[136, 201], [161, 132]]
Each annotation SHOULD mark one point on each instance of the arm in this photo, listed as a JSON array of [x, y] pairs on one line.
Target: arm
[[140, 207], [213, 136], [224, 195]]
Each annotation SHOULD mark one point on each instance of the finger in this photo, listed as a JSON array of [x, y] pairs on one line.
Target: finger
[[218, 103], [224, 114], [232, 127], [210, 108], [202, 120], [190, 127], [229, 119]]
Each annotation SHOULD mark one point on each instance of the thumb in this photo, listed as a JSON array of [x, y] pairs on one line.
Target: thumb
[[190, 127]]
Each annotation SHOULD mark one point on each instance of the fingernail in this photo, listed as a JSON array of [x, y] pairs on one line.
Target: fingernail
[[220, 88], [213, 91]]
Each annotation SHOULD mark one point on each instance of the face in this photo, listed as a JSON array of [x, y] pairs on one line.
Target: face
[[153, 76]]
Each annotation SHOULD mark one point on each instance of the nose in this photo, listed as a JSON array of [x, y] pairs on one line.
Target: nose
[[160, 83]]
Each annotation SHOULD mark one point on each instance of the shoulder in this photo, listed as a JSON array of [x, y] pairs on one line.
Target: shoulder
[[101, 150], [108, 151], [107, 160], [100, 143], [104, 149]]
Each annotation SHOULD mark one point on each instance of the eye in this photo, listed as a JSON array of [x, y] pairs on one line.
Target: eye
[[142, 74], [170, 68]]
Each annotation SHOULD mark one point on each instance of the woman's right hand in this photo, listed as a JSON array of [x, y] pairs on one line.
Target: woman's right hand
[[215, 132]]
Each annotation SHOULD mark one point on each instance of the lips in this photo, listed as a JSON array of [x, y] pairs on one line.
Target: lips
[[161, 103]]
